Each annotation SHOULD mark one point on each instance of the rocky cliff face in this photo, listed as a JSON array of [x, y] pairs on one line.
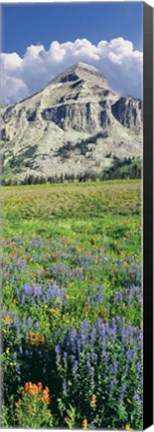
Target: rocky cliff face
[[76, 123]]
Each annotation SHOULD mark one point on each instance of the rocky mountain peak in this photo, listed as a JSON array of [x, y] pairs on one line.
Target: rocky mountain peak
[[77, 123], [81, 71]]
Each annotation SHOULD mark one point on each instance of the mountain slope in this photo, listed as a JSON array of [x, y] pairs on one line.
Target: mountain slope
[[73, 125]]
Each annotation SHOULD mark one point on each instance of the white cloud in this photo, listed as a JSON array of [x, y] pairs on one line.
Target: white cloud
[[116, 59]]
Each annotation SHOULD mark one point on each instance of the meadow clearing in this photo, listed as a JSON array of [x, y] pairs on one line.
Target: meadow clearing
[[72, 305]]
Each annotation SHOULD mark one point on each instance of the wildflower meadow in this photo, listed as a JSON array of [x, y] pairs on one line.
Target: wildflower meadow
[[72, 306]]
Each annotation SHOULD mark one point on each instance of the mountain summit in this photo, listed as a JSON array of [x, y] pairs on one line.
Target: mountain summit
[[74, 125], [81, 71]]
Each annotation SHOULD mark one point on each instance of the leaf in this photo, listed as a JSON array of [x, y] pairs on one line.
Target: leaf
[[122, 412]]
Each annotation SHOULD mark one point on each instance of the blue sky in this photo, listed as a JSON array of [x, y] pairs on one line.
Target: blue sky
[[32, 24], [42, 40]]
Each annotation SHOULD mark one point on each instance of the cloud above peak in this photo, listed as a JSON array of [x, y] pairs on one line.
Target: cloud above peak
[[116, 59]]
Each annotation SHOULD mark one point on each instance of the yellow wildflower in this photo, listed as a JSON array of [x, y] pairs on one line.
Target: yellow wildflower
[[93, 401], [84, 423], [7, 319], [54, 311]]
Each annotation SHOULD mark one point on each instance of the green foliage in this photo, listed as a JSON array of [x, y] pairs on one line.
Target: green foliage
[[122, 169], [7, 416], [32, 409]]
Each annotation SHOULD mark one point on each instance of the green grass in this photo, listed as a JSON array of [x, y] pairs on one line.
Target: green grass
[[110, 211]]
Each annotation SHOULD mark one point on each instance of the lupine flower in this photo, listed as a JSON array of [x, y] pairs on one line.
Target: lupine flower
[[123, 391], [58, 348], [75, 367], [129, 354], [95, 358], [137, 397], [138, 367], [65, 359], [14, 356], [111, 388], [18, 369], [64, 385], [114, 367], [50, 293]]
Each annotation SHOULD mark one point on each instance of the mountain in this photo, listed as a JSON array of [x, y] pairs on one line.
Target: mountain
[[77, 123]]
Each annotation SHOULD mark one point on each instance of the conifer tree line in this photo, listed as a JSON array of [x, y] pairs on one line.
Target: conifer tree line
[[121, 169]]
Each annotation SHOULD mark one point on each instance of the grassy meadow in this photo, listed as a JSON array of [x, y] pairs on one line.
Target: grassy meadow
[[72, 302]]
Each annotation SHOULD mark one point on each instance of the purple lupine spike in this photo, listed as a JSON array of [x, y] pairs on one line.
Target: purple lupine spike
[[138, 367], [107, 328], [123, 391], [114, 327], [39, 353], [29, 321], [27, 290], [65, 357], [64, 385], [111, 388], [129, 354], [92, 377], [72, 334], [37, 291], [58, 349], [95, 358], [15, 356], [115, 367], [88, 356], [93, 335], [18, 369], [75, 368], [137, 397], [20, 350]]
